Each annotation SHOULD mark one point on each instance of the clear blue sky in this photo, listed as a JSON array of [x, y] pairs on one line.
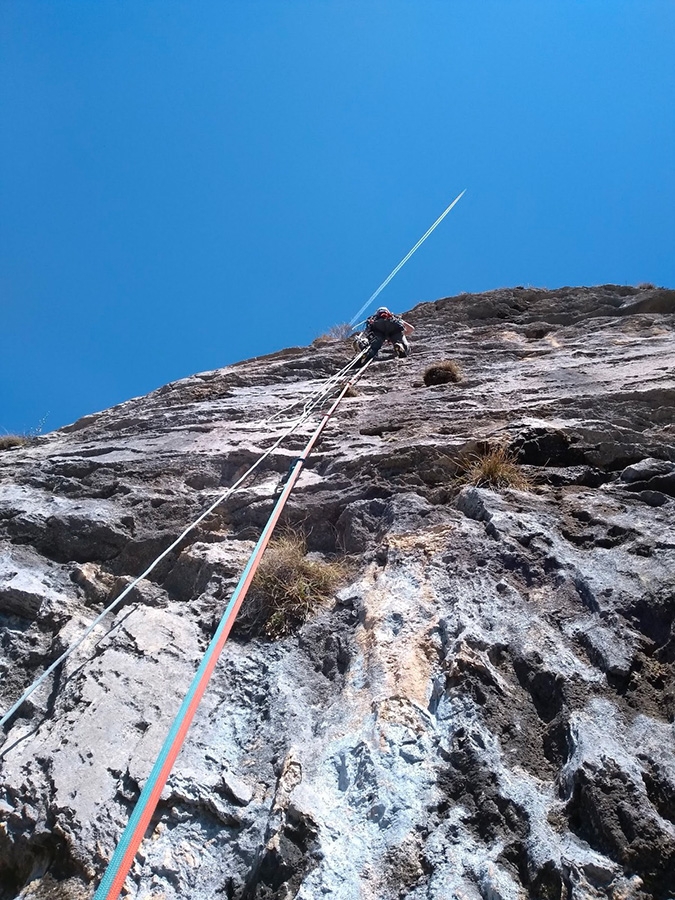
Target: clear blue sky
[[187, 184]]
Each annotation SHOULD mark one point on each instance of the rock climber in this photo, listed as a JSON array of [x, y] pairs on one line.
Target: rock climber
[[385, 326]]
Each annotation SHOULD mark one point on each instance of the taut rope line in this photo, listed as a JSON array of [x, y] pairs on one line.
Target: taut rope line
[[405, 259], [320, 393], [307, 410], [123, 857]]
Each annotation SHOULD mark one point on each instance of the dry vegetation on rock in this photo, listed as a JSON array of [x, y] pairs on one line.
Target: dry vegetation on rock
[[495, 467], [8, 441], [338, 332], [444, 372], [289, 585]]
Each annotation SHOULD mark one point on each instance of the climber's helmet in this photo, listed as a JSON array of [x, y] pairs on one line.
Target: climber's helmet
[[381, 310]]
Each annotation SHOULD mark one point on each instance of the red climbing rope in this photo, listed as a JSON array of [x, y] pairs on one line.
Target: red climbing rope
[[118, 868]]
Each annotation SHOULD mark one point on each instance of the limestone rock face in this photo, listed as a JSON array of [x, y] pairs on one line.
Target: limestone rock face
[[484, 710]]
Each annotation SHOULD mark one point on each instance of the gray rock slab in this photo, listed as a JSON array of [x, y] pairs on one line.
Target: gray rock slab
[[483, 710]]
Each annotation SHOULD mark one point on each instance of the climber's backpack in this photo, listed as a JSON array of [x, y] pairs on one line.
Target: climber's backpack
[[387, 316]]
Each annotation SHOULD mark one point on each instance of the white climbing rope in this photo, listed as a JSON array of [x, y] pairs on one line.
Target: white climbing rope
[[405, 260], [116, 872], [321, 392], [353, 320], [310, 403], [308, 408]]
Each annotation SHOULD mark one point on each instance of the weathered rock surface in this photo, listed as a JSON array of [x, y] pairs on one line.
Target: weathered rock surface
[[485, 711]]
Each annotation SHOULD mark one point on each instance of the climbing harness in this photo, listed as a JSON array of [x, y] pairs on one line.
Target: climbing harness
[[312, 402], [123, 857]]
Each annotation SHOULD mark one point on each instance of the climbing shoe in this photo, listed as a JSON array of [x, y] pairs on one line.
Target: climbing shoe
[[400, 350]]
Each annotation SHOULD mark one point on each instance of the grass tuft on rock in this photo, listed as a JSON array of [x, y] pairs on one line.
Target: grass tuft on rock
[[495, 467], [7, 441], [442, 372], [338, 332], [289, 586]]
